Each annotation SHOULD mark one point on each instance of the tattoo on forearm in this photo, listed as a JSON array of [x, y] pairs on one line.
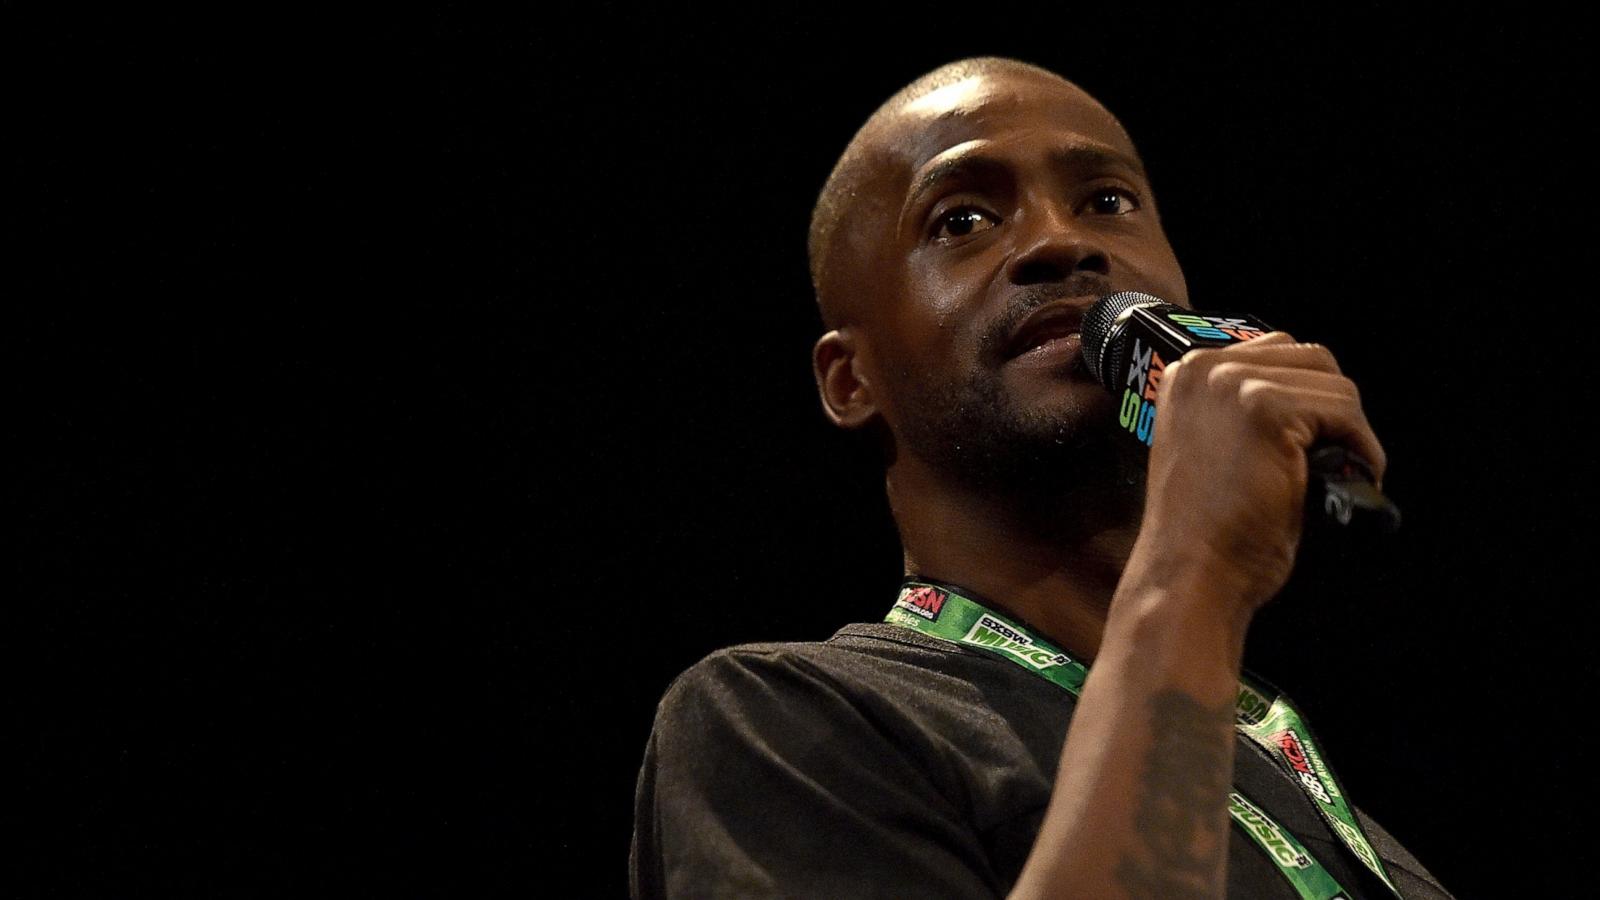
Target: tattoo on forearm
[[1184, 788]]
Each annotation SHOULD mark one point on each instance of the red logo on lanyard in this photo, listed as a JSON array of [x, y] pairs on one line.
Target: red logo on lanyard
[[1295, 752], [924, 601]]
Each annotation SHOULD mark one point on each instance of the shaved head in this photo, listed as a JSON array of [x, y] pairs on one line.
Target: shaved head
[[979, 195], [870, 156]]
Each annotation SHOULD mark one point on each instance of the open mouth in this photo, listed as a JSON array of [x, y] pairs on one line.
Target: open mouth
[[1052, 337], [1047, 330]]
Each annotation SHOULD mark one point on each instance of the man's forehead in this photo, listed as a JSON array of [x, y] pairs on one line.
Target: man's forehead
[[886, 158], [985, 105]]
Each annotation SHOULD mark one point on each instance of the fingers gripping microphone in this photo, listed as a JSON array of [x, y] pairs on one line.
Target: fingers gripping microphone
[[1129, 338]]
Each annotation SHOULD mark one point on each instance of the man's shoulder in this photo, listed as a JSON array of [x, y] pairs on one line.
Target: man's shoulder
[[858, 640], [756, 742], [876, 671], [870, 650]]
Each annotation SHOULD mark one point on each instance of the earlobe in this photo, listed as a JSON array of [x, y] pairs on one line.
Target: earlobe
[[846, 391]]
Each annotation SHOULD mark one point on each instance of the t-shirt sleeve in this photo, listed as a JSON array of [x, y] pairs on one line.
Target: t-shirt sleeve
[[762, 779]]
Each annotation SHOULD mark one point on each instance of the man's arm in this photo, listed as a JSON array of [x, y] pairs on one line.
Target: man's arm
[[1139, 806]]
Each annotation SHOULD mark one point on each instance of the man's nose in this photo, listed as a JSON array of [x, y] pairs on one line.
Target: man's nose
[[1053, 245]]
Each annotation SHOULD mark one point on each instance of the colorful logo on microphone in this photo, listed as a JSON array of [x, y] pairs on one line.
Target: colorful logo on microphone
[[1216, 328], [1139, 395]]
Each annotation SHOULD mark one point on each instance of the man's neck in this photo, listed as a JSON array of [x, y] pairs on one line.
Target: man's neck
[[1054, 561]]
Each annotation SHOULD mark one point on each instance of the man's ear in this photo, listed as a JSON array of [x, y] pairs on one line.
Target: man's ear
[[847, 395]]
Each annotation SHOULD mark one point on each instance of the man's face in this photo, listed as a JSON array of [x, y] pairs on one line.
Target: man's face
[[996, 196]]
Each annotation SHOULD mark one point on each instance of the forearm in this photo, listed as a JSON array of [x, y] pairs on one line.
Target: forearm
[[1139, 807]]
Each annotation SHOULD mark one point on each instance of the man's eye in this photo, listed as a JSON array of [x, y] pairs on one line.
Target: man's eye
[[962, 222], [1113, 201]]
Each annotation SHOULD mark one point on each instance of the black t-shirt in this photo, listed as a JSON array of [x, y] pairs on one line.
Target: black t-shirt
[[888, 763]]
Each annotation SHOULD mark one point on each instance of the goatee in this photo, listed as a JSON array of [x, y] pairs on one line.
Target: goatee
[[1052, 467]]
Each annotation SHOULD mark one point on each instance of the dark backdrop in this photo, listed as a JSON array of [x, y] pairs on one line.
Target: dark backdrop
[[405, 403]]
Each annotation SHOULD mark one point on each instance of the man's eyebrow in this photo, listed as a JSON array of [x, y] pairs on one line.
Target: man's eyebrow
[[1075, 156], [961, 167], [1091, 156]]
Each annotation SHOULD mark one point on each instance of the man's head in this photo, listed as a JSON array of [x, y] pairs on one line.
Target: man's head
[[976, 195]]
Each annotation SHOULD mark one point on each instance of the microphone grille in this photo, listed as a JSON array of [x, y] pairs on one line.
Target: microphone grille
[[1097, 324]]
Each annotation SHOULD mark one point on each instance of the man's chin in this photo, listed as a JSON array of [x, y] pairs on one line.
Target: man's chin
[[1031, 381], [1043, 455], [1067, 404], [1017, 426]]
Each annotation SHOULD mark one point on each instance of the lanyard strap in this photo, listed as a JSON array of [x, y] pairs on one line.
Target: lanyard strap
[[1265, 715]]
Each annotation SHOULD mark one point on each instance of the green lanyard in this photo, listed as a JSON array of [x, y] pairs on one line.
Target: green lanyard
[[1264, 715]]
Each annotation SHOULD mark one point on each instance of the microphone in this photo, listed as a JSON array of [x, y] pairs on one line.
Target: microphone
[[1129, 338]]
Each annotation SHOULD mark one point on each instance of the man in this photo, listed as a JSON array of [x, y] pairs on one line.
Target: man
[[959, 240]]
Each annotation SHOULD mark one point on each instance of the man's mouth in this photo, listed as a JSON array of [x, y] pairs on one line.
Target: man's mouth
[[1050, 329], [1047, 339], [1063, 352]]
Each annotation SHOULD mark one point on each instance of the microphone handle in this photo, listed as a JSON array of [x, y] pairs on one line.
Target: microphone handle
[[1340, 489], [1341, 485]]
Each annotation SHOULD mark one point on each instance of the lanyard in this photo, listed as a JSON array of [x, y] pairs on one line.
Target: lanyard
[[1265, 715]]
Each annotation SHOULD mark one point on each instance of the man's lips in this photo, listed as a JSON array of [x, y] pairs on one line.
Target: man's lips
[[1049, 324], [1053, 354]]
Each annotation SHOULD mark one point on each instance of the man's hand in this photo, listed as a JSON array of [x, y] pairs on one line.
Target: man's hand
[[1227, 475]]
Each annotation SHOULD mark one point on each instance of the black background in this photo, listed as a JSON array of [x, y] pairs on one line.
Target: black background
[[404, 403]]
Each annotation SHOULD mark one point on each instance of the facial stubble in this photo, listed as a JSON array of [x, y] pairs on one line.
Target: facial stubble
[[1055, 466]]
